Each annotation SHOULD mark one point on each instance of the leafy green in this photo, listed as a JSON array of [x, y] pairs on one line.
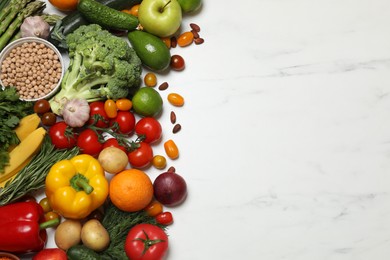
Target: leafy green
[[12, 109]]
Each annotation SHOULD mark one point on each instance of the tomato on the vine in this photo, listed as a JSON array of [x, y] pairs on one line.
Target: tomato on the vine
[[125, 121], [112, 142], [97, 108], [62, 136], [146, 242], [89, 143], [142, 156], [150, 128]]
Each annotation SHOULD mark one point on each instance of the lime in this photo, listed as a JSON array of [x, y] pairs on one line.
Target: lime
[[147, 102]]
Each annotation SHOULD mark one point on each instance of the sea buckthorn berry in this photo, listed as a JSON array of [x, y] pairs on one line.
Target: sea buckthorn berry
[[176, 99]]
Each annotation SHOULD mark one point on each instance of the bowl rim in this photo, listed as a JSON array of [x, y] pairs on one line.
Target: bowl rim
[[4, 53]]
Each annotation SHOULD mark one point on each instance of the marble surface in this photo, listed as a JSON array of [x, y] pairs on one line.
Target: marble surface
[[285, 144]]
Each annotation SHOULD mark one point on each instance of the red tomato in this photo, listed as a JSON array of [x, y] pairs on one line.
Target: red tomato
[[62, 136], [142, 156], [50, 254], [146, 242], [97, 108], [164, 218], [149, 127], [89, 143], [177, 62], [125, 120], [112, 142]]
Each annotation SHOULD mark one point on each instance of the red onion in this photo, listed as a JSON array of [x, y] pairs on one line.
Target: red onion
[[170, 189]]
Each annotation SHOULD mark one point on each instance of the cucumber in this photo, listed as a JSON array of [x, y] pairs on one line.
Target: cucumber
[[107, 17], [75, 19], [79, 252]]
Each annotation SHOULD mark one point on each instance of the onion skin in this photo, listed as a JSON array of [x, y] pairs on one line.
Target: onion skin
[[170, 189]]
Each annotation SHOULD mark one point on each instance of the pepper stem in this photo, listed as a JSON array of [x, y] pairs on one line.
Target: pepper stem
[[49, 223], [80, 183]]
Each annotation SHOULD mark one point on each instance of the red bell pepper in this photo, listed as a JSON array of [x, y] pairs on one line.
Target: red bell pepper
[[22, 227]]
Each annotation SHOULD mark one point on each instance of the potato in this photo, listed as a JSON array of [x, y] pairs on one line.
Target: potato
[[68, 234], [94, 235], [113, 160]]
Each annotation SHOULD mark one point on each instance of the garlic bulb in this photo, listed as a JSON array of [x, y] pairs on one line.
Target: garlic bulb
[[35, 26], [76, 112]]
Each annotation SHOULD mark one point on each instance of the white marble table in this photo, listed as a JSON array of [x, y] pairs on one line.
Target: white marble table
[[285, 143]]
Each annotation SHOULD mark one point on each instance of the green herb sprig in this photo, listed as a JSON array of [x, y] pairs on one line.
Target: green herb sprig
[[32, 177]]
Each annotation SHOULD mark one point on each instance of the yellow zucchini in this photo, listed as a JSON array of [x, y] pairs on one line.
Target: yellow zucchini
[[27, 125], [23, 152]]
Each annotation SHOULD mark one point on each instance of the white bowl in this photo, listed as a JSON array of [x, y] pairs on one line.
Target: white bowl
[[5, 52]]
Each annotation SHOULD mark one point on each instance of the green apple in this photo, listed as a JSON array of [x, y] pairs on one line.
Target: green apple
[[160, 17], [189, 6]]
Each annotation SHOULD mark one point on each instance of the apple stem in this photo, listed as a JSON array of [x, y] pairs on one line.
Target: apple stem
[[162, 8]]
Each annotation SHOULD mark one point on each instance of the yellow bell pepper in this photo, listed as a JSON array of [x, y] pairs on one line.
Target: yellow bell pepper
[[76, 187]]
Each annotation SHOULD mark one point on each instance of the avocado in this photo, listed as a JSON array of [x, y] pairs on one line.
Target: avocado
[[152, 51]]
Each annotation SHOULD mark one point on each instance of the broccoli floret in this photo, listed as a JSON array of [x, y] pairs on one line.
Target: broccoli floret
[[101, 66]]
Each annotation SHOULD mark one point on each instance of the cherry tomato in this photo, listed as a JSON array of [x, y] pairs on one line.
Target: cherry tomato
[[124, 104], [97, 108], [51, 215], [48, 119], [62, 136], [134, 10], [45, 205], [177, 62], [165, 218], [159, 162], [110, 108], [88, 142], [185, 39], [142, 156], [146, 242], [154, 208], [41, 106], [176, 99], [171, 149], [149, 127], [150, 79], [112, 142], [50, 254], [125, 120]]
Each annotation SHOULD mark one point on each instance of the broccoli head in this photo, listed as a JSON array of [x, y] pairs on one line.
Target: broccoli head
[[101, 66]]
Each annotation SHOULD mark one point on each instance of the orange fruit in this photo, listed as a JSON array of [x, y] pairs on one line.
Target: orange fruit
[[131, 190], [65, 5]]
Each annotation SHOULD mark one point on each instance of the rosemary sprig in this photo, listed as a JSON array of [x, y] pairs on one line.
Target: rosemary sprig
[[32, 176]]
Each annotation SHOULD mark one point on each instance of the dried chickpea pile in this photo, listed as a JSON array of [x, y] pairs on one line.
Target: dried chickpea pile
[[33, 68]]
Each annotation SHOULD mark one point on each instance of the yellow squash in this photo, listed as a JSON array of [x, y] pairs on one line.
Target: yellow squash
[[23, 152], [27, 125]]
